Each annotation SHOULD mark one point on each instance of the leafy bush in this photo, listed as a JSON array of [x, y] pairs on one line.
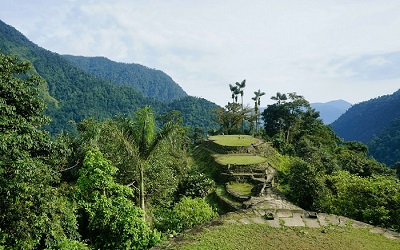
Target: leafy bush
[[110, 219], [186, 214], [196, 184]]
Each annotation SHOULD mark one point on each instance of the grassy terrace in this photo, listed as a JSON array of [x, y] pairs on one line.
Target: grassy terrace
[[233, 140], [263, 236], [238, 159], [241, 188]]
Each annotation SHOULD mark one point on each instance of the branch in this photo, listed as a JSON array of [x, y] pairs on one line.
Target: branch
[[77, 162]]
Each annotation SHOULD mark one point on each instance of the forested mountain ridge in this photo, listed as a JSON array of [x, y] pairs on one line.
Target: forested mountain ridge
[[77, 93], [150, 82], [73, 94], [367, 119]]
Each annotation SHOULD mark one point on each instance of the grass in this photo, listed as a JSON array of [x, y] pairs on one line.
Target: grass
[[221, 192], [238, 159], [263, 236], [242, 188], [233, 140]]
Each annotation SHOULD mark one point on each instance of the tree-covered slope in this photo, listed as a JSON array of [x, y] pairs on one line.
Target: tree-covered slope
[[367, 119], [386, 146], [77, 93], [196, 112], [73, 94], [150, 82]]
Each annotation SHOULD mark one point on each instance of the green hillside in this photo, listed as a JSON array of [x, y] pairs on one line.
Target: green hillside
[[78, 93], [73, 94], [150, 82]]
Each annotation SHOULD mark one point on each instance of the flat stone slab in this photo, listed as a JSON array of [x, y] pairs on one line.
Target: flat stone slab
[[313, 223], [258, 220], [293, 222], [274, 223], [283, 213], [343, 221], [328, 219], [245, 221], [392, 235], [359, 224], [231, 221], [378, 230]]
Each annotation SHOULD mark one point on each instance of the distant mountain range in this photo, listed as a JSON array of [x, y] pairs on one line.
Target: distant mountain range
[[79, 87], [330, 111]]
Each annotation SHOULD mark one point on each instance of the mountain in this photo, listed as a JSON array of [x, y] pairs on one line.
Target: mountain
[[367, 119], [150, 82], [330, 111], [73, 94]]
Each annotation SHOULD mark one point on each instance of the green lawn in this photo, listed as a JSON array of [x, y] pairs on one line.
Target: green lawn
[[262, 236], [242, 188], [238, 159], [233, 140]]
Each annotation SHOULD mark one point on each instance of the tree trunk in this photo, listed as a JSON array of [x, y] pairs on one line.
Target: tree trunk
[[142, 206]]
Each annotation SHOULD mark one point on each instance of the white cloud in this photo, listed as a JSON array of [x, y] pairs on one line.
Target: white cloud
[[304, 46]]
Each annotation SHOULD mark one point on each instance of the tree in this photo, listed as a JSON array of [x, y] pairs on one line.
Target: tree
[[234, 91], [257, 103], [137, 148], [230, 117], [109, 220], [285, 117], [33, 211], [280, 98], [241, 87]]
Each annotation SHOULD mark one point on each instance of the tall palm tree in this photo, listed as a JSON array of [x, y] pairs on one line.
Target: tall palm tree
[[139, 139], [280, 98], [257, 103], [240, 88], [234, 91]]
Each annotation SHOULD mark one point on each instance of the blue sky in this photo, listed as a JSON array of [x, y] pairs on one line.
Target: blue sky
[[323, 50]]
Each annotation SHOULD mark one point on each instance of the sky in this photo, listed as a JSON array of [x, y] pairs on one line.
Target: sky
[[324, 50]]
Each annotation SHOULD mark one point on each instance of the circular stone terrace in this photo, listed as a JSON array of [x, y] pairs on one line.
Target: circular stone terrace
[[234, 140], [238, 159]]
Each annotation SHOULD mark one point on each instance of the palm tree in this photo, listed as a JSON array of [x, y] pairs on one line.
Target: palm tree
[[257, 104], [234, 90], [240, 87], [280, 98], [138, 138]]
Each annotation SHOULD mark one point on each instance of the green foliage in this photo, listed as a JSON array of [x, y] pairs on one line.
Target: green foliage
[[161, 156], [306, 185], [196, 184], [113, 221], [34, 213], [196, 112], [325, 173], [230, 118], [385, 147], [373, 199], [187, 213]]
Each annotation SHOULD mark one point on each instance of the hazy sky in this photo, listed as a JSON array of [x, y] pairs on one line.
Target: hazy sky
[[323, 50]]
